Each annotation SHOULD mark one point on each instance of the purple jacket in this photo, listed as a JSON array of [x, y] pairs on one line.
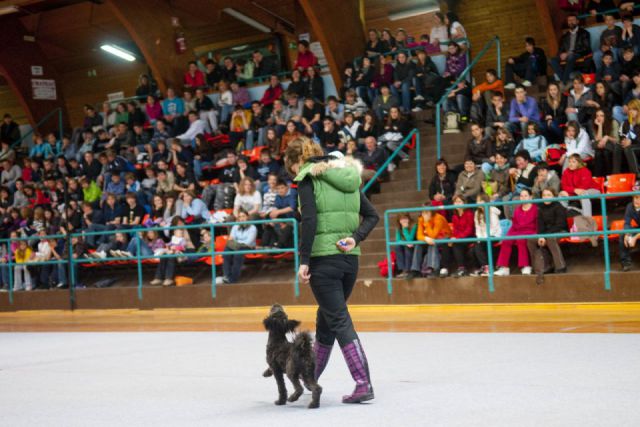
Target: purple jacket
[[528, 109], [387, 78], [456, 64]]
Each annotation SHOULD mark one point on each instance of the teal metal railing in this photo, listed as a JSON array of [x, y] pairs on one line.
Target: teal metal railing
[[10, 262], [42, 121], [413, 134], [606, 232], [140, 258], [606, 12], [495, 40]]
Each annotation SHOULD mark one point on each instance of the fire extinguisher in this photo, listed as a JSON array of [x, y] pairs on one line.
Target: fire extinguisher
[[181, 42]]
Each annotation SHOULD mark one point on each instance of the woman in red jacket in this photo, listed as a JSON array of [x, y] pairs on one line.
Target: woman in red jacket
[[463, 227], [577, 181]]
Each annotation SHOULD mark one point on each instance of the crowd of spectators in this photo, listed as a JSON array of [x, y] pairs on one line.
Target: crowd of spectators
[[205, 152], [581, 128]]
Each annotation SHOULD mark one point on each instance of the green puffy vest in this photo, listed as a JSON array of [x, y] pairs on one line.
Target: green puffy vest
[[336, 186]]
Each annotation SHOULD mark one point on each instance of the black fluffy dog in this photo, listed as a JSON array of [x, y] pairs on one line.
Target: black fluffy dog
[[295, 359]]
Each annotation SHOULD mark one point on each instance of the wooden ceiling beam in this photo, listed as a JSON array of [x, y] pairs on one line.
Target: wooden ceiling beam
[[16, 58]]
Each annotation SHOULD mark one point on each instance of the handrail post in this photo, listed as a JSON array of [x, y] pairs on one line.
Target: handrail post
[[418, 165], [487, 222], [213, 261], [214, 268], [10, 263], [388, 251], [296, 260], [499, 49], [607, 260], [139, 261], [438, 130], [72, 274]]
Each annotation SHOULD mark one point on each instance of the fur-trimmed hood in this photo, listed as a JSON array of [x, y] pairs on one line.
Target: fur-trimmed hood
[[342, 173]]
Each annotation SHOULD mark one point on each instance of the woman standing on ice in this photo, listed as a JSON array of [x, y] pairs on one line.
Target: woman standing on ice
[[331, 205]]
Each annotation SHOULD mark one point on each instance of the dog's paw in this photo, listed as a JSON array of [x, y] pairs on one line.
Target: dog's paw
[[267, 373], [280, 402], [294, 397], [314, 405]]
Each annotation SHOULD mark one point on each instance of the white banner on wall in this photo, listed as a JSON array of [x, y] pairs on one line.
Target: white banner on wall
[[44, 89], [316, 48]]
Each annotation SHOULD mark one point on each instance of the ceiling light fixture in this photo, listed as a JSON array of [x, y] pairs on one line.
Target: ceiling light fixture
[[119, 52], [244, 18], [9, 9], [410, 13]]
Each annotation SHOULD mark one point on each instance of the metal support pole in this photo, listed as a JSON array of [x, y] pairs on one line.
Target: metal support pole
[[10, 263], [388, 250], [607, 260], [296, 260], [212, 249], [214, 272], [487, 211], [139, 261]]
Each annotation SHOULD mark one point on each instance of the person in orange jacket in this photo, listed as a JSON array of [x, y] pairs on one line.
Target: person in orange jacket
[[482, 94], [432, 226]]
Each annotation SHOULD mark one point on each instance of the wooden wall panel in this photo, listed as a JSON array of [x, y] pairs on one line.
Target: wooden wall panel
[[9, 103], [512, 21]]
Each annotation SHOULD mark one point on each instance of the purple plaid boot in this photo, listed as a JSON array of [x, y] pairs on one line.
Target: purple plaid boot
[[359, 368], [322, 357]]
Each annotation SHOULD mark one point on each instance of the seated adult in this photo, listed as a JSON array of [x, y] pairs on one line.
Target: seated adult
[[580, 103], [403, 75], [196, 127], [194, 211], [241, 237], [578, 181], [442, 185], [630, 136], [529, 65], [630, 240], [194, 78], [523, 109], [469, 183], [479, 149], [312, 117], [523, 176], [552, 218], [554, 106], [606, 144], [247, 198], [372, 158], [574, 45], [274, 91]]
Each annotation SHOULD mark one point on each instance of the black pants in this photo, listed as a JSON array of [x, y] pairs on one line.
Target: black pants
[[455, 252], [332, 280], [524, 71]]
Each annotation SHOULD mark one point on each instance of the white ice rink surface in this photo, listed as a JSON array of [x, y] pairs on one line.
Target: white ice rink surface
[[214, 379]]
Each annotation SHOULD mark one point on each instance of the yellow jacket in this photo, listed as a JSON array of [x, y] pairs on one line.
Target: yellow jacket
[[23, 259]]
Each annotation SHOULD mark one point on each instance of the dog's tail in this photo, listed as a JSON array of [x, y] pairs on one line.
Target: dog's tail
[[303, 343]]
